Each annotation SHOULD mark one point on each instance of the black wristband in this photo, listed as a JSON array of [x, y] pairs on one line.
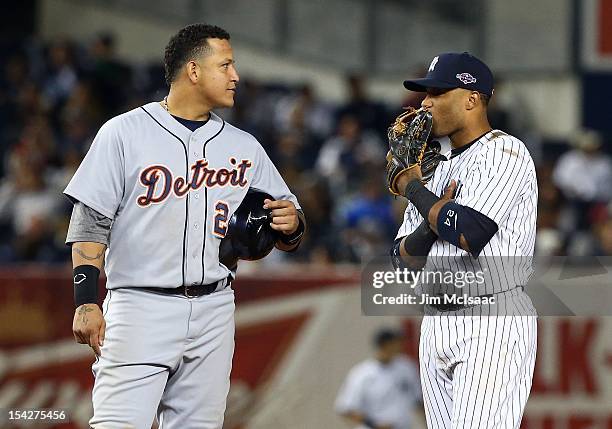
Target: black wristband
[[85, 279], [295, 236], [420, 241], [421, 197]]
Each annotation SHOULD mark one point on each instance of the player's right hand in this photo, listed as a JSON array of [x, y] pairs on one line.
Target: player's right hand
[[88, 326], [449, 192]]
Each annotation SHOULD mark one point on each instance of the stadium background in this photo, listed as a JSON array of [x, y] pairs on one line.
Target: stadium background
[[320, 81]]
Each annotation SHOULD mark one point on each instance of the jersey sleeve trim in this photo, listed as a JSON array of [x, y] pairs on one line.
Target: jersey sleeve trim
[[74, 197]]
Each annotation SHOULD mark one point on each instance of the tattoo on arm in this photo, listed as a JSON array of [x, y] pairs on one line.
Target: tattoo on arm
[[83, 310], [84, 256]]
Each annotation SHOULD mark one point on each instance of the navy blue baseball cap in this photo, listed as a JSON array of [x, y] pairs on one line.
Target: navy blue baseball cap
[[455, 70], [386, 335]]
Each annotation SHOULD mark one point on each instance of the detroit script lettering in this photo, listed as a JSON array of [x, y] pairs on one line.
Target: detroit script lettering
[[159, 181]]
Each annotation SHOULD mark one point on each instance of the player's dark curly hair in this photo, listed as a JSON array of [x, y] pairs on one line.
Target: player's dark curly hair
[[188, 43]]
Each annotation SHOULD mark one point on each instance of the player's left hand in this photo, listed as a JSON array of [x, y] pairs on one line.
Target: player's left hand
[[284, 216], [407, 176]]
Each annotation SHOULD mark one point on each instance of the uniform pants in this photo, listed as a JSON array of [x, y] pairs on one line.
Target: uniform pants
[[477, 364], [164, 355]]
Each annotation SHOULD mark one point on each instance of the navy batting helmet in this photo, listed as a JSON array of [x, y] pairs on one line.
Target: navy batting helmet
[[249, 235]]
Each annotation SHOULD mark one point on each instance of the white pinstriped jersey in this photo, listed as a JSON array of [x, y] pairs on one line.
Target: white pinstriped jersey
[[495, 176]]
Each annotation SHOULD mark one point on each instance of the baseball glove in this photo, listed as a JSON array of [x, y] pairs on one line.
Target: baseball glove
[[410, 145], [431, 158]]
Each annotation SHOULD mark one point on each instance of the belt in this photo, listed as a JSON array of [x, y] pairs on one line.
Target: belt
[[455, 307], [193, 291]]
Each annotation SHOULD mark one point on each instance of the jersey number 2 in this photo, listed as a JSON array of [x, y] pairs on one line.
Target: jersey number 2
[[221, 210]]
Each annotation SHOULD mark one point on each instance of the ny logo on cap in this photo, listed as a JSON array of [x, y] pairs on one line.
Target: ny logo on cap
[[433, 64], [466, 78]]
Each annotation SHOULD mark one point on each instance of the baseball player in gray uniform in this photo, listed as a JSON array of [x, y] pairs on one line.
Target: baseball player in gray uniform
[[476, 214], [153, 197]]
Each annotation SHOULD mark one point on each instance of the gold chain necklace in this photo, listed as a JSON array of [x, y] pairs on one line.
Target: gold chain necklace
[[164, 104]]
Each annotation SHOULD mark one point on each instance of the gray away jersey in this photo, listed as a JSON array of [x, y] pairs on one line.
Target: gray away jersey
[[170, 193], [495, 176]]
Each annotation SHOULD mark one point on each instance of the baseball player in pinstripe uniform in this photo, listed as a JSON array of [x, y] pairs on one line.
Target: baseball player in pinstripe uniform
[[476, 214]]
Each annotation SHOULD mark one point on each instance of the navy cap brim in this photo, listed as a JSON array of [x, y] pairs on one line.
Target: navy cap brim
[[421, 85]]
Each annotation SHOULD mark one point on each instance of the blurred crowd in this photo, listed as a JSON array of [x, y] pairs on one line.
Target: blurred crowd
[[54, 97]]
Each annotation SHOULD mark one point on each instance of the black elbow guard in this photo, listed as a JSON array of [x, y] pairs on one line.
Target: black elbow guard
[[455, 220]]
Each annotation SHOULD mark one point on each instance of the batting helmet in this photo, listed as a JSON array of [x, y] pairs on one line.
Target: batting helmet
[[249, 235]]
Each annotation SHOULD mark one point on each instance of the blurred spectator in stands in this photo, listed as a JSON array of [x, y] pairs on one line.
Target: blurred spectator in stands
[[289, 157], [36, 143], [61, 76], [256, 109], [16, 74], [304, 110], [584, 175], [509, 111], [371, 115], [549, 240], [301, 116], [112, 78], [80, 117], [30, 102], [344, 158], [321, 243], [247, 110], [28, 207], [83, 103], [368, 222], [14, 78], [603, 241], [596, 240]]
